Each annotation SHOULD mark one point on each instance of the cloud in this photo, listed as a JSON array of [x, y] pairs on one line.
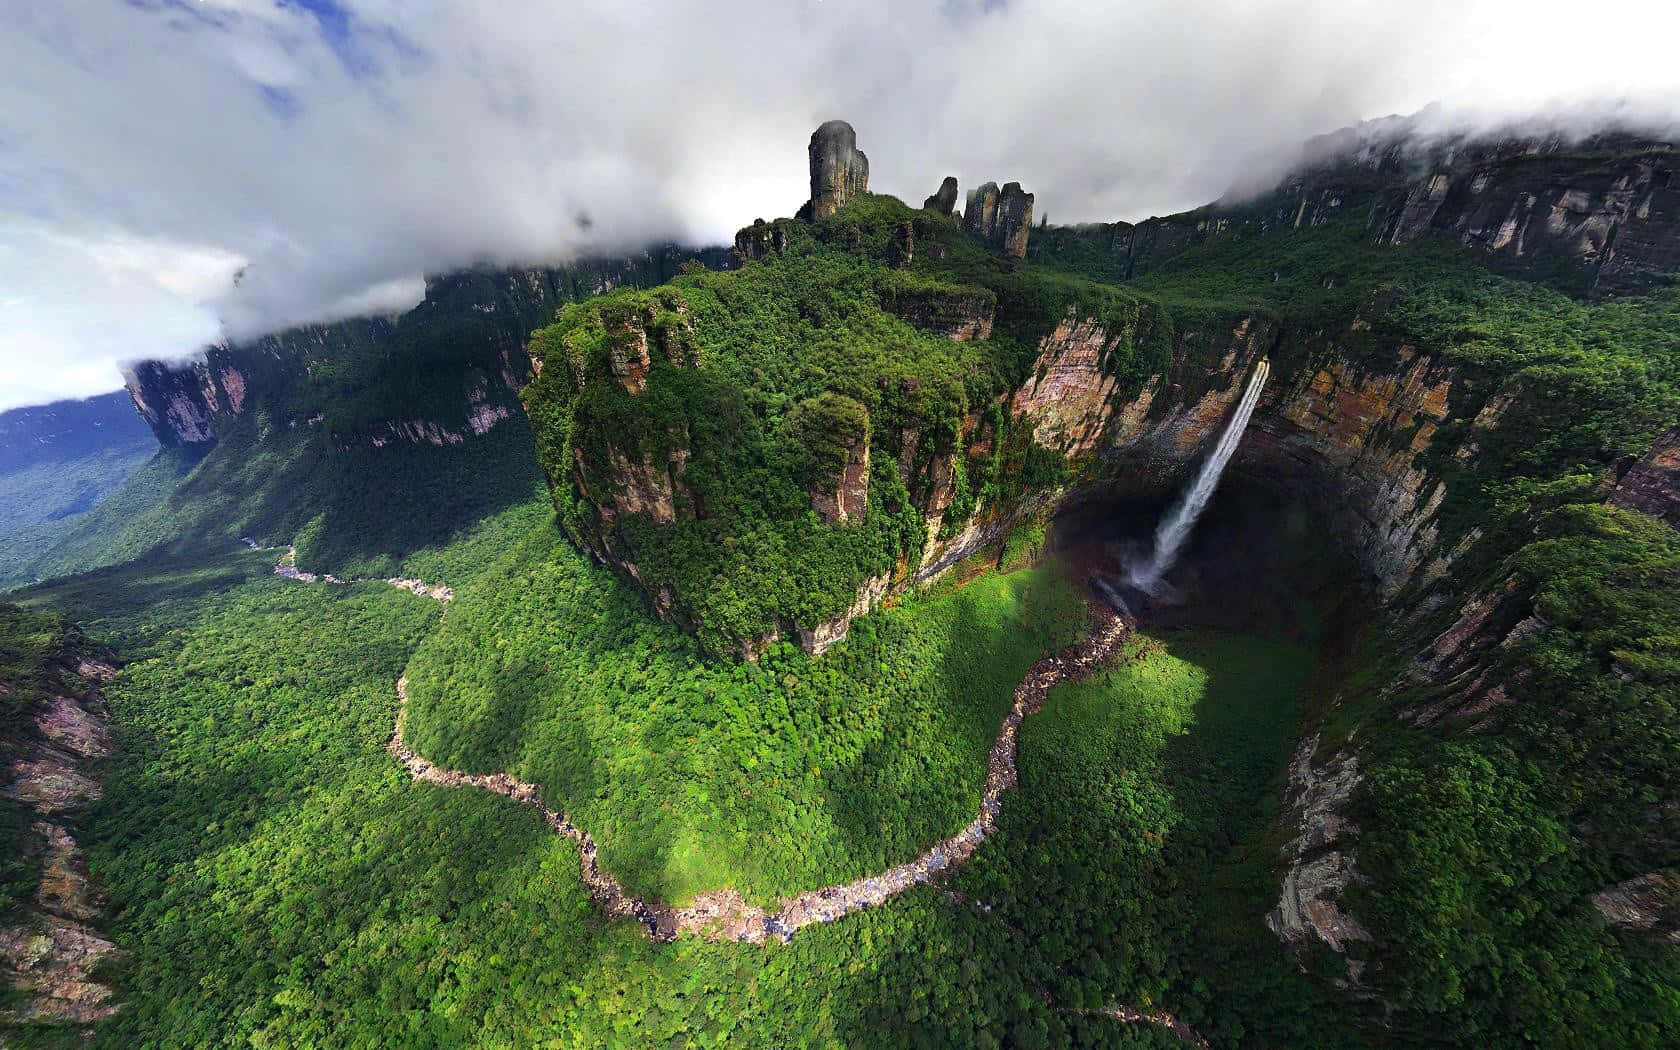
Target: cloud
[[337, 149]]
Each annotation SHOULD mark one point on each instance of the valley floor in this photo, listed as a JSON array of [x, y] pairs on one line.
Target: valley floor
[[277, 880]]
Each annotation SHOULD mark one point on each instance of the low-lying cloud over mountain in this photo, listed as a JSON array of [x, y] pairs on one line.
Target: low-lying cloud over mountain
[[330, 151]]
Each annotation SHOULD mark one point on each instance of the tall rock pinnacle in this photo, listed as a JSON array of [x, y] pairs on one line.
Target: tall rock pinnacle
[[945, 200], [1002, 219], [839, 170]]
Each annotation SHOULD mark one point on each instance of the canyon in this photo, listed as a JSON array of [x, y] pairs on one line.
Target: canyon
[[848, 405]]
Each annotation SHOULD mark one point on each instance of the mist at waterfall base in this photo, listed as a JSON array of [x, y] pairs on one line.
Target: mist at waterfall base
[[1248, 554], [1257, 562], [1146, 574]]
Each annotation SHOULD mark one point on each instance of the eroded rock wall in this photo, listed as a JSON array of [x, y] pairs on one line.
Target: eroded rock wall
[[49, 956], [474, 323], [1001, 218], [1347, 437], [1599, 218], [1320, 866], [839, 170], [1652, 484]]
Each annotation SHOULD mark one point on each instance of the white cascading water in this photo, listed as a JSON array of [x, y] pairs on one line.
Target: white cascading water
[[1175, 528]]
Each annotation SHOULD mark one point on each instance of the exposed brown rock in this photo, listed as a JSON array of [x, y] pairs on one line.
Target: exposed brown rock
[[65, 890], [1069, 398], [641, 487], [51, 781], [820, 638], [980, 211], [1015, 211], [1648, 903], [51, 962], [627, 349], [1652, 484], [1321, 867], [49, 956], [847, 498]]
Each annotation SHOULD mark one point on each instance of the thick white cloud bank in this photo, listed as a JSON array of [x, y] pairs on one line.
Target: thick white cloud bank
[[334, 150]]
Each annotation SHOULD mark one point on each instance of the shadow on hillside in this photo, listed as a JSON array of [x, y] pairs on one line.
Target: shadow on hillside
[[355, 511]]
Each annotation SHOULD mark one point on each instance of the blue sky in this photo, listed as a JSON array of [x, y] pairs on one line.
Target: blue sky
[[336, 150]]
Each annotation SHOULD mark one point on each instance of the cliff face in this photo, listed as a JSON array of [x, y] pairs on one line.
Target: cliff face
[[1128, 391], [839, 170], [51, 750], [180, 402], [1599, 219], [1348, 439], [466, 340], [1001, 218], [1344, 437], [1652, 483]]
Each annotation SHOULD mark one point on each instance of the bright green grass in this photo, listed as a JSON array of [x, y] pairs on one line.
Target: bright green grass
[[1134, 785], [769, 778]]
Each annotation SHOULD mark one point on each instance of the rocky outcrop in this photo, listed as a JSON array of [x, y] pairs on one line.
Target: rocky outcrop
[[1648, 903], [844, 497], [1320, 864], [1599, 217], [839, 170], [179, 403], [50, 955], [901, 250], [945, 200], [1001, 218], [1462, 660], [817, 640], [1652, 483], [627, 349], [759, 241], [959, 314], [644, 486], [1599, 229], [1069, 398]]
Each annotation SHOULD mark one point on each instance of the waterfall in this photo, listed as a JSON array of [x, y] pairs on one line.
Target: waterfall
[[1175, 528]]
